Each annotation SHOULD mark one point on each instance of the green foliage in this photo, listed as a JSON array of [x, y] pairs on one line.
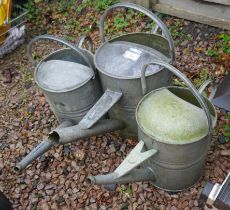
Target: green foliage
[[104, 4], [224, 43], [198, 81], [70, 37], [83, 5], [225, 38], [178, 82], [212, 53], [64, 5], [120, 22], [221, 46], [178, 34], [34, 12], [72, 24], [125, 191], [227, 129], [27, 79], [38, 1], [202, 77], [151, 25]]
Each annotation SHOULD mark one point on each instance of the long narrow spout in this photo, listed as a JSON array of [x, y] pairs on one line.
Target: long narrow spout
[[136, 175], [73, 133], [40, 149]]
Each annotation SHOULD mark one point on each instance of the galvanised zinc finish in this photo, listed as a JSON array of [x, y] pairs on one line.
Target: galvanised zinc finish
[[178, 166], [75, 103], [131, 88]]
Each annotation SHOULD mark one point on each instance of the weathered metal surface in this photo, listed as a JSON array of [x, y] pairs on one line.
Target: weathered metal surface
[[134, 159], [127, 53], [178, 166], [76, 132], [216, 196], [68, 103], [40, 149], [148, 13], [164, 116], [124, 110], [137, 175], [107, 100], [127, 58], [174, 166], [85, 42], [222, 94], [74, 103], [223, 198]]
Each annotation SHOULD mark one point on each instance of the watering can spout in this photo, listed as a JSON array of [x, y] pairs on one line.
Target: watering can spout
[[136, 175], [40, 149], [126, 171], [76, 132]]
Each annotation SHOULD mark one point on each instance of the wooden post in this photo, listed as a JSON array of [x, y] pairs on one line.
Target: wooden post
[[145, 3], [200, 11]]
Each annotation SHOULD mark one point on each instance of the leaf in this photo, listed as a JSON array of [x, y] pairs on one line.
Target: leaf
[[227, 127], [227, 134], [199, 49]]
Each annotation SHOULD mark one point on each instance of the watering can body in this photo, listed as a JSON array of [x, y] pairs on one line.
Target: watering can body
[[118, 63], [172, 159], [73, 103], [177, 166], [68, 104], [128, 52]]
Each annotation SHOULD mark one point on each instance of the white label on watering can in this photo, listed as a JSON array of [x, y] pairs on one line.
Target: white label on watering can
[[132, 53]]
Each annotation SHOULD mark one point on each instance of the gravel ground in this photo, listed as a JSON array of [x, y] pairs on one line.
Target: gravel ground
[[58, 179]]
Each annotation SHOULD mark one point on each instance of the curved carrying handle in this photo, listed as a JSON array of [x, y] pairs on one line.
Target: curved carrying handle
[[68, 44], [85, 39], [204, 86], [159, 23], [185, 80]]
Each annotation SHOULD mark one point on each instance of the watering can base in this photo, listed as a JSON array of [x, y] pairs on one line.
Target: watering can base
[[181, 179]]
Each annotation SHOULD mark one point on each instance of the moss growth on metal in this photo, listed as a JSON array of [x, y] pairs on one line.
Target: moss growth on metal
[[170, 119]]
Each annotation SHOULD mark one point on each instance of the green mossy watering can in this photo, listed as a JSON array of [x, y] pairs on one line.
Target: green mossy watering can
[[174, 132]]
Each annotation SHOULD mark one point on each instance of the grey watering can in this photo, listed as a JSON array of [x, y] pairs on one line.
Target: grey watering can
[[119, 62], [69, 99], [174, 131], [68, 79]]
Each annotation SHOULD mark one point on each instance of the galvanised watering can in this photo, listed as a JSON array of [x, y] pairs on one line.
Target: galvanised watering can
[[68, 79], [174, 130], [69, 97], [123, 91], [119, 62]]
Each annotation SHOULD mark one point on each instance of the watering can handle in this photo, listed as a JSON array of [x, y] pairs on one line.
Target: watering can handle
[[204, 86], [159, 23], [85, 39], [185, 80], [68, 44]]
